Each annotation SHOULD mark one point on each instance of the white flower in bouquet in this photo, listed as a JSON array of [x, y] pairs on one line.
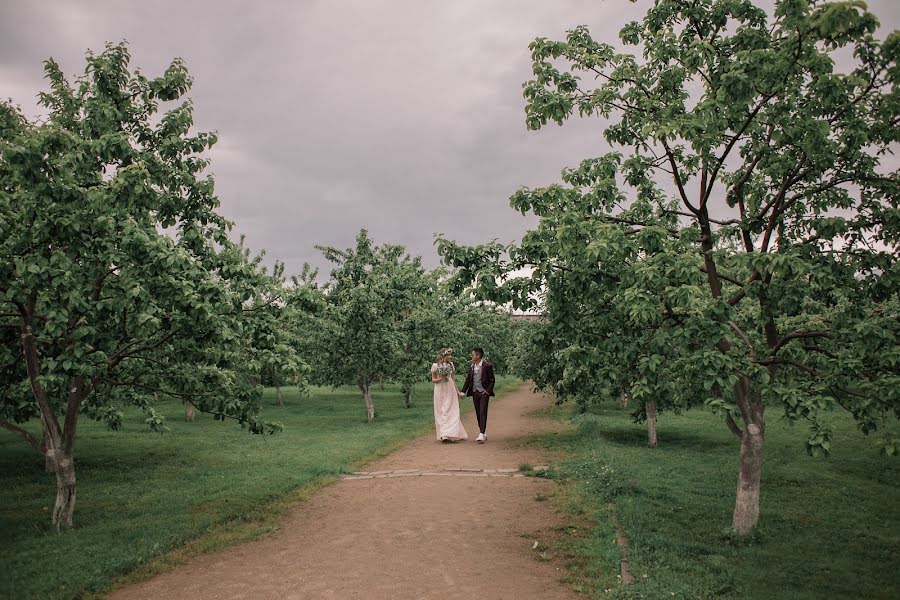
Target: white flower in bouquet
[[444, 369]]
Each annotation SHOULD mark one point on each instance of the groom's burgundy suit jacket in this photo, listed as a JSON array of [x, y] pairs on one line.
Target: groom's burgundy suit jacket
[[487, 379]]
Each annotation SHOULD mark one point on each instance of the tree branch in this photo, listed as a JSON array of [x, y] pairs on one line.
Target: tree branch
[[681, 213], [77, 393], [676, 173], [797, 335], [728, 148], [130, 350], [725, 277], [98, 284], [33, 368], [784, 361], [25, 435], [778, 205], [820, 350], [729, 420], [740, 333], [743, 291]]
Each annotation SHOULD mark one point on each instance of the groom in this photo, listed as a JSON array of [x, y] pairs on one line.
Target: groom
[[480, 385]]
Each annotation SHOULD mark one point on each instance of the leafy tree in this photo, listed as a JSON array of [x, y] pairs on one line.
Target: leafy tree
[[372, 292], [267, 350], [604, 353], [117, 279], [304, 324], [262, 303], [445, 319], [537, 358], [426, 329], [743, 236], [474, 323]]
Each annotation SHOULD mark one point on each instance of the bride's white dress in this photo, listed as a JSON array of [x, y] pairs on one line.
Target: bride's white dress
[[446, 411]]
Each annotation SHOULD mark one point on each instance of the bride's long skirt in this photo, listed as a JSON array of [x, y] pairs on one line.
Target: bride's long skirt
[[446, 413]]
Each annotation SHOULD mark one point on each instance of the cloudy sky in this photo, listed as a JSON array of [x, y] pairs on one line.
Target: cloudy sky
[[401, 116]]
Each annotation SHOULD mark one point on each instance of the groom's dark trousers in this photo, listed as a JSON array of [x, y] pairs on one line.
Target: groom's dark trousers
[[481, 400]]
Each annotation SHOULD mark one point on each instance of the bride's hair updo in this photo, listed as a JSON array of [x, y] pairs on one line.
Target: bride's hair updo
[[444, 352]]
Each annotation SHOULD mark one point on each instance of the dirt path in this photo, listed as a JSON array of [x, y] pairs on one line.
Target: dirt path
[[428, 533]]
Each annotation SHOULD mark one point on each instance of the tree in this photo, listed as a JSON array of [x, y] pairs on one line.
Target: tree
[[426, 329], [746, 231], [303, 324], [267, 349], [118, 282], [484, 325], [444, 319], [537, 358], [604, 347], [372, 292]]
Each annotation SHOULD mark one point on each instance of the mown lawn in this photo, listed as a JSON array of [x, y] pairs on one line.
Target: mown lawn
[[829, 528], [147, 500]]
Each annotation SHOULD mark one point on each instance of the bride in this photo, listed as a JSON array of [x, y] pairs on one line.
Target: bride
[[446, 399]]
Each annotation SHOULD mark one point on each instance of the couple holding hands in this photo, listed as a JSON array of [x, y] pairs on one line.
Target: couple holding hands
[[479, 385]]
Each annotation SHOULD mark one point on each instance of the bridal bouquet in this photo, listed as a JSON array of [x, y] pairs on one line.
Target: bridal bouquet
[[444, 369]]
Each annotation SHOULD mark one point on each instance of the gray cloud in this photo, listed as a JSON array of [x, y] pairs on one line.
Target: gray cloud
[[405, 117]]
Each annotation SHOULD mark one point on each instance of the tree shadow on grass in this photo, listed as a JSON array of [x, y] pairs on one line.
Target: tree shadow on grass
[[636, 437]]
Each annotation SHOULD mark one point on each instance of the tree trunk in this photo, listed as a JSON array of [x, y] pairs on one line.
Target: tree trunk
[[365, 388], [188, 410], [59, 442], [650, 407], [623, 398], [49, 453], [277, 388], [65, 492], [50, 461], [407, 395], [746, 505]]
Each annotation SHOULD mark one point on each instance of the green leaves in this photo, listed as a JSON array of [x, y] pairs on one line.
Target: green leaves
[[819, 442], [372, 292], [760, 278], [841, 22], [115, 303]]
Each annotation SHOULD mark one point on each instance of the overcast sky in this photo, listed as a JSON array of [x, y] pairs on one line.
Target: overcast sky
[[404, 117]]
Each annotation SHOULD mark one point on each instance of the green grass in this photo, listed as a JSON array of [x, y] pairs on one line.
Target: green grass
[[147, 501], [829, 528]]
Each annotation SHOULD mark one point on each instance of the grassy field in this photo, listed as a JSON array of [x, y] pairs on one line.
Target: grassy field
[[829, 528], [146, 501]]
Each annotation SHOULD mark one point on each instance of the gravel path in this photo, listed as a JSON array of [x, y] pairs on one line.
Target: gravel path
[[434, 521]]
